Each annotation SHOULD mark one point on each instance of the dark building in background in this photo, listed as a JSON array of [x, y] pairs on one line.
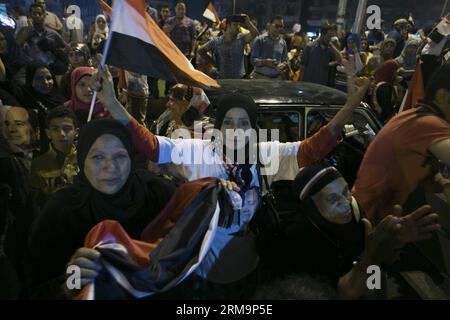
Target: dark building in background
[[309, 13]]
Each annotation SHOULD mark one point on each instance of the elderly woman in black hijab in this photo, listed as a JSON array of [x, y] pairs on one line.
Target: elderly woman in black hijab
[[345, 244], [244, 159], [107, 187]]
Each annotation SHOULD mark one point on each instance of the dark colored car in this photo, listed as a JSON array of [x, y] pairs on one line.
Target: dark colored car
[[299, 109]]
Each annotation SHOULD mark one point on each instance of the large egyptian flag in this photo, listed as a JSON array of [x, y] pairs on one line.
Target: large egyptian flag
[[137, 44], [170, 248]]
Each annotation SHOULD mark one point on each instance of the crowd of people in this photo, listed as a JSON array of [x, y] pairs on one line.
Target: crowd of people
[[61, 174]]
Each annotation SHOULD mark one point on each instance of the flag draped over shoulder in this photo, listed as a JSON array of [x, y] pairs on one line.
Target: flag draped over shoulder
[[171, 248], [139, 45]]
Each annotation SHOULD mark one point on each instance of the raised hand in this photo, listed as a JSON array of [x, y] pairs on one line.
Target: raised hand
[[418, 225]]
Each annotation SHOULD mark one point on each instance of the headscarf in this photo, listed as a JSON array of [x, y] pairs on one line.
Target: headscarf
[[386, 72], [75, 209], [406, 61], [238, 100], [132, 200], [309, 181], [235, 100], [34, 98], [81, 109], [97, 30], [383, 44]]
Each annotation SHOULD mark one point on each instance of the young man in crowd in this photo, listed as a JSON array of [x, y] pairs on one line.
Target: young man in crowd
[[181, 30], [51, 20], [269, 52], [164, 15], [315, 65], [400, 159], [56, 168], [227, 51], [39, 42]]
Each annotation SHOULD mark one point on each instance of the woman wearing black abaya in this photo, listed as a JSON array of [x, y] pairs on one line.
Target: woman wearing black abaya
[[39, 93], [345, 244], [107, 187], [40, 90]]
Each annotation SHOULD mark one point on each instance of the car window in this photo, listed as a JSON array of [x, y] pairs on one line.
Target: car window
[[359, 127], [286, 122], [359, 132]]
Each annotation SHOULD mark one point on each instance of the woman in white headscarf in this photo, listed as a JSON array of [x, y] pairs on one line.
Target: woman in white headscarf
[[407, 60], [101, 25], [100, 31]]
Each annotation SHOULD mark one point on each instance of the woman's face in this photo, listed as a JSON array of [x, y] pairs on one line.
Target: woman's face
[[334, 202], [83, 90], [107, 165], [77, 59], [43, 81], [389, 48], [3, 44], [17, 127], [235, 119], [101, 23]]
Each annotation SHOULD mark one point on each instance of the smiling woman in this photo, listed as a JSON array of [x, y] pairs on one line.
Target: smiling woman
[[108, 187], [107, 164]]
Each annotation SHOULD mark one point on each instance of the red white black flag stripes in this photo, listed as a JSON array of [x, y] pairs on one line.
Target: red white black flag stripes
[[137, 44]]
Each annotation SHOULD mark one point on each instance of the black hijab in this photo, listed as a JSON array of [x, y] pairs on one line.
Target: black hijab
[[37, 100], [235, 100], [347, 238], [141, 198], [238, 100], [73, 211]]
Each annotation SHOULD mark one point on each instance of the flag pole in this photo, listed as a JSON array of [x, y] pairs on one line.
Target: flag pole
[[443, 8], [102, 65]]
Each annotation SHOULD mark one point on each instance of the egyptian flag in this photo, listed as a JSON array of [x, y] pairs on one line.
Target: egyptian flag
[[171, 247], [211, 14], [416, 90], [106, 8], [137, 44]]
